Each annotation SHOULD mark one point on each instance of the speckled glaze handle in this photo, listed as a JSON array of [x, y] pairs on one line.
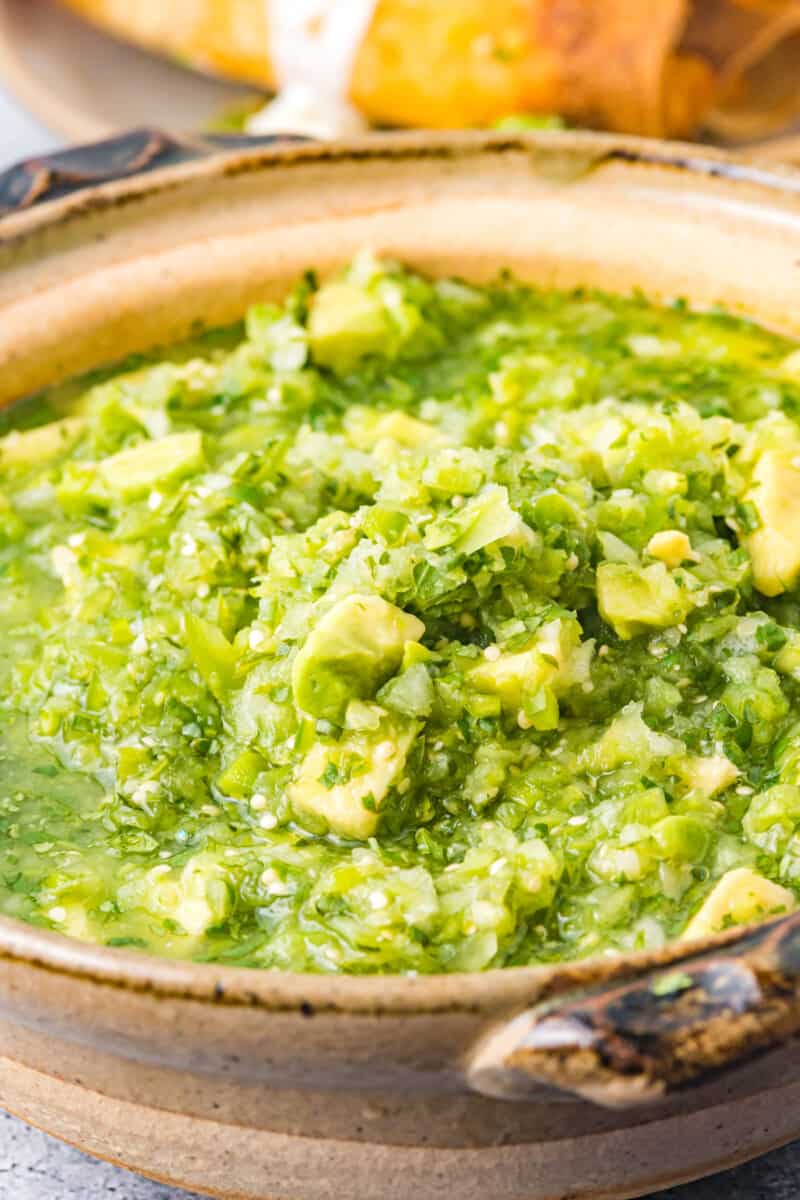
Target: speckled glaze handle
[[49, 177], [643, 1036]]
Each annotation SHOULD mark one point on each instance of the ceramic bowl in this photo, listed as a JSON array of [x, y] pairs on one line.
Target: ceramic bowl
[[605, 1078]]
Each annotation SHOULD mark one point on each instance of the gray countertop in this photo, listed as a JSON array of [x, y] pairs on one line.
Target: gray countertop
[[35, 1167]]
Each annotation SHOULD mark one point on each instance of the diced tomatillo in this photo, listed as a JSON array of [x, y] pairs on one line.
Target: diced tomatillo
[[162, 461]]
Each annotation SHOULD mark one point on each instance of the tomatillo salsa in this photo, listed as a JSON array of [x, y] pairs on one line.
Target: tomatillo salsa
[[411, 627]]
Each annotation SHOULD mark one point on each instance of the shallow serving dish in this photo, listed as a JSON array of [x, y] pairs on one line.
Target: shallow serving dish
[[516, 1084]]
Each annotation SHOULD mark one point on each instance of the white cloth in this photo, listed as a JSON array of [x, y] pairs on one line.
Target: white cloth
[[313, 48]]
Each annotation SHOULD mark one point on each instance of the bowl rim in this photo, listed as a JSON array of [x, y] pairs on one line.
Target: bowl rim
[[498, 989], [568, 152]]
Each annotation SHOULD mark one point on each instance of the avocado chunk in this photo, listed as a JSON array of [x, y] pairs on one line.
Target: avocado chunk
[[635, 599], [195, 897], [555, 659], [709, 775], [135, 471], [629, 739], [346, 323], [73, 920], [211, 652], [348, 782], [369, 428], [774, 547], [488, 519], [203, 897], [28, 447], [741, 896], [350, 653]]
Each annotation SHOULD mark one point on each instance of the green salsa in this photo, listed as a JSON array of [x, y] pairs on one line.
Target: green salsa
[[412, 626]]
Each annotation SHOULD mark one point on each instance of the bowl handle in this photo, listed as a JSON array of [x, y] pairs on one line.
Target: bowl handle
[[52, 176], [652, 1032]]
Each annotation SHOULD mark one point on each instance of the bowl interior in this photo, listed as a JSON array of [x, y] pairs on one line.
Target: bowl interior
[[131, 265]]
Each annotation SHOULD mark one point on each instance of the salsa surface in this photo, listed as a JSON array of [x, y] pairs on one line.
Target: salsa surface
[[411, 627]]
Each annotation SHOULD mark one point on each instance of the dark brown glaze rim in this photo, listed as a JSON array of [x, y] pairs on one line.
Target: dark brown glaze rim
[[50, 177], [557, 155]]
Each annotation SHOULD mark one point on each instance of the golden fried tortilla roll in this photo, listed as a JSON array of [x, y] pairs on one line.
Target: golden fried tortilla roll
[[601, 62], [653, 68]]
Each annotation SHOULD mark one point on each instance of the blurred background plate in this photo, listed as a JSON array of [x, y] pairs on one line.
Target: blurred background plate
[[84, 85]]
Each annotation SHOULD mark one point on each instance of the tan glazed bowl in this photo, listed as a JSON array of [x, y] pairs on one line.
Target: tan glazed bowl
[[606, 1079]]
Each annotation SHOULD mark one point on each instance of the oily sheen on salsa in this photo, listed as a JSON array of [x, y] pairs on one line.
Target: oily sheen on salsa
[[412, 626]]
